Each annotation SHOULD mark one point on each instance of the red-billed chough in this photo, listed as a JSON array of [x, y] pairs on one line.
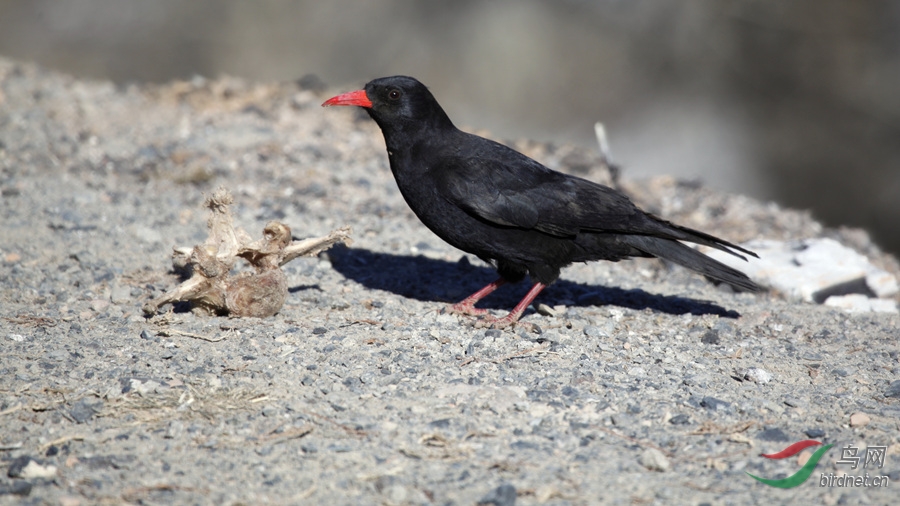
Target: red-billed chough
[[494, 202]]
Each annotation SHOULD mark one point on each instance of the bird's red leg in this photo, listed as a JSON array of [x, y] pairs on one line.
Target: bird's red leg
[[467, 305], [516, 313]]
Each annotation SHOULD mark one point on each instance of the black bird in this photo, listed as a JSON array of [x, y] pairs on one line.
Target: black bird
[[494, 202]]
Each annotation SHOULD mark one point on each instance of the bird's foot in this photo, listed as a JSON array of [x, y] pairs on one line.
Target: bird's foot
[[465, 309]]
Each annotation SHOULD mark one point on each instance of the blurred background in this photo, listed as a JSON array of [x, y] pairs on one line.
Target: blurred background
[[796, 102]]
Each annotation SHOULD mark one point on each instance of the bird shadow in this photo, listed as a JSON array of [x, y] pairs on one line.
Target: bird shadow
[[427, 279]]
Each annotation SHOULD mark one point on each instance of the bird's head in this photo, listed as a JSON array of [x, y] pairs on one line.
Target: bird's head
[[396, 102]]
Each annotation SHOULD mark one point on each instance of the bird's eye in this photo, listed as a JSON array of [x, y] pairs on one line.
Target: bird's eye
[[394, 94]]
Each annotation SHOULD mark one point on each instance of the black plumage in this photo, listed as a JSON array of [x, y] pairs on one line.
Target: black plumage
[[494, 202]]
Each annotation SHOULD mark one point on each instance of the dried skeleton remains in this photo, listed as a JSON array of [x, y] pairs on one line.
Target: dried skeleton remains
[[212, 288]]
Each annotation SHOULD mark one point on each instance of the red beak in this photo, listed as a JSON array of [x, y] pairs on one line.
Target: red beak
[[358, 97]]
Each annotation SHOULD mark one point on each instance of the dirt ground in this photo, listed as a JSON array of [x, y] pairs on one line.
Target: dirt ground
[[644, 385]]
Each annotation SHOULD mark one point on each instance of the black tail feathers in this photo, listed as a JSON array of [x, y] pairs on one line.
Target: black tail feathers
[[674, 251]]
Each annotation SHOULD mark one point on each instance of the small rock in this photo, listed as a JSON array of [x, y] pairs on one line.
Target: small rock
[[710, 337], [893, 390], [145, 387], [442, 423], [99, 305], [776, 435], [396, 493], [20, 488], [85, 409], [681, 419], [654, 460], [882, 283], [545, 310], [120, 294], [842, 372], [814, 433], [15, 469], [19, 338], [495, 333], [595, 331], [319, 331], [714, 404], [859, 420], [28, 467], [504, 495], [757, 375], [858, 303]]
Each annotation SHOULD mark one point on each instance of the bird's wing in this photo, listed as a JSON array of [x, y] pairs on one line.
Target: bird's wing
[[502, 186], [516, 191]]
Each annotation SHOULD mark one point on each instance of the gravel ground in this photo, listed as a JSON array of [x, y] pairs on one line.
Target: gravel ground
[[645, 384]]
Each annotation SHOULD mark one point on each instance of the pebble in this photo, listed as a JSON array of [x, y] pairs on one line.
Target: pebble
[[710, 337], [893, 390], [493, 333], [120, 294], [545, 310], [85, 409], [19, 338], [504, 495], [604, 329], [842, 372], [99, 305], [757, 375], [654, 460], [859, 420], [772, 435], [713, 404], [680, 419], [396, 493], [594, 331], [20, 488], [28, 467], [859, 303]]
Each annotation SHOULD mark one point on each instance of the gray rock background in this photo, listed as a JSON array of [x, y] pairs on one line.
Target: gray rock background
[[647, 384], [794, 102]]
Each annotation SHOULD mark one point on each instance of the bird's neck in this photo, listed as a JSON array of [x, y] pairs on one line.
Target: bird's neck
[[401, 137]]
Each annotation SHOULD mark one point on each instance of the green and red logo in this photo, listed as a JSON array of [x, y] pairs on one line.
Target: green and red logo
[[804, 473]]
